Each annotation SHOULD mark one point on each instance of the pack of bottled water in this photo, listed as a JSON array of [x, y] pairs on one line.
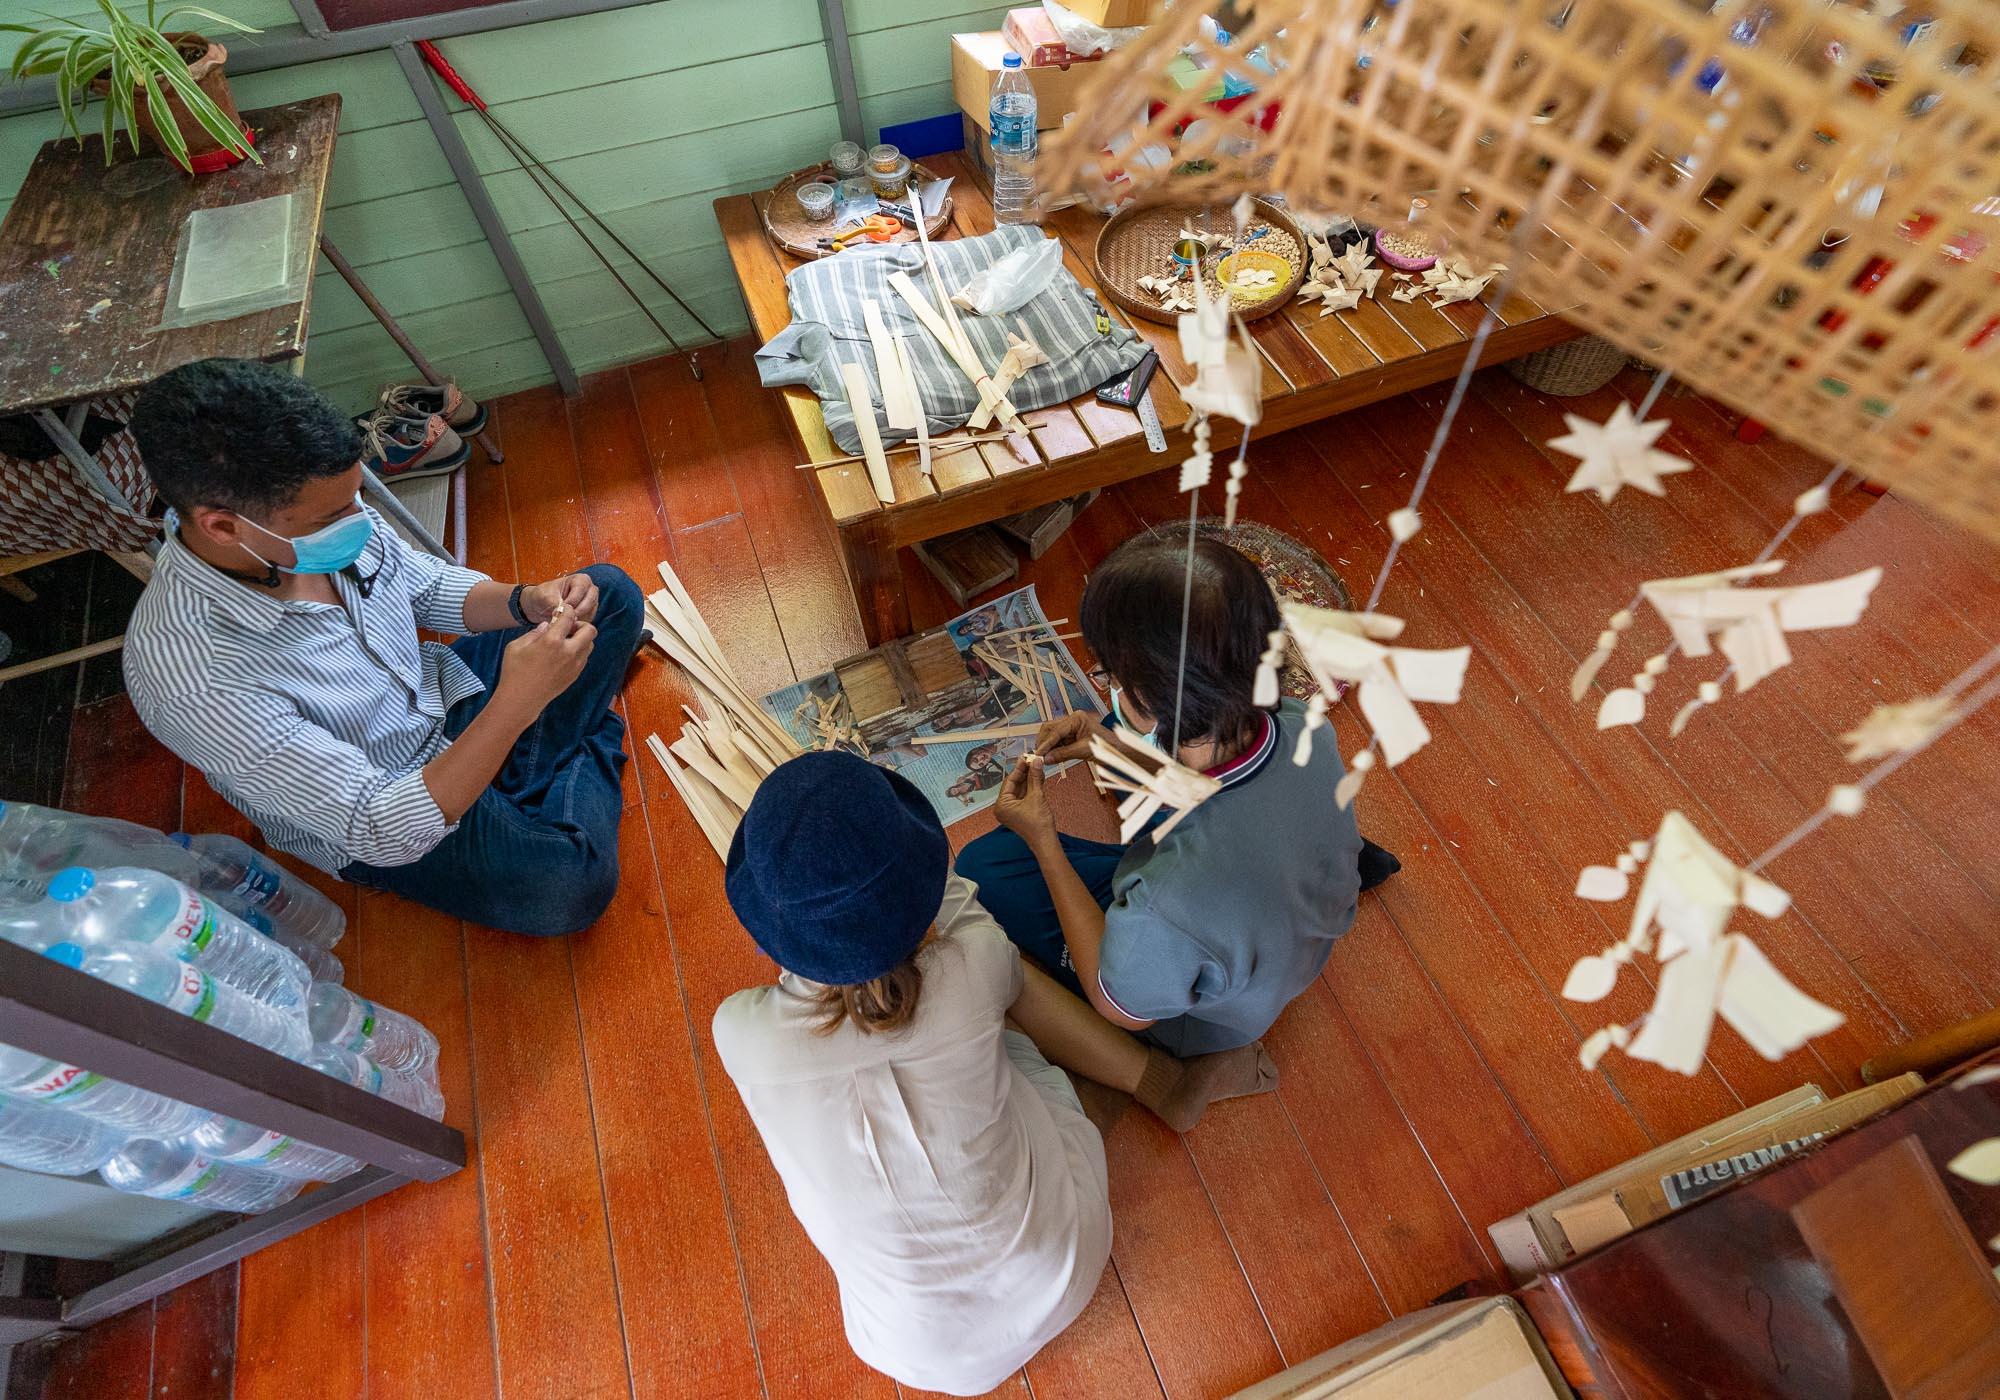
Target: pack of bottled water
[[215, 930]]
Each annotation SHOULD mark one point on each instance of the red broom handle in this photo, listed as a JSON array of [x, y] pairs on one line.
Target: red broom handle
[[442, 67]]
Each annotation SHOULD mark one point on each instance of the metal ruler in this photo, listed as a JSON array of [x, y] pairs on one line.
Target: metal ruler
[[1149, 419]]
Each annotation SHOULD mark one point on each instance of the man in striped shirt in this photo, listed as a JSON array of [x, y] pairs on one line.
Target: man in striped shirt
[[276, 650]]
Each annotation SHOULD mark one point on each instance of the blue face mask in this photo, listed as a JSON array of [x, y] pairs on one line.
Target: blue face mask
[[327, 550], [1151, 736]]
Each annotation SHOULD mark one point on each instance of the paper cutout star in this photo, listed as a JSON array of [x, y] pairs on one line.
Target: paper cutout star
[[1339, 299], [1617, 452], [1353, 262], [1893, 728]]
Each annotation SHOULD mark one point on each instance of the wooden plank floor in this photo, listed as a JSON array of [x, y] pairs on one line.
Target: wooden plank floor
[[619, 1230]]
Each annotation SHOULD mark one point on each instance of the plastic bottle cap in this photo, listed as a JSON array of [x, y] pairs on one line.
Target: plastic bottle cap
[[73, 883], [1012, 60], [68, 954]]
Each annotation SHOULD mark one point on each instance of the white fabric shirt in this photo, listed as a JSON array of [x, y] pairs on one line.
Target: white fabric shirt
[[965, 1214]]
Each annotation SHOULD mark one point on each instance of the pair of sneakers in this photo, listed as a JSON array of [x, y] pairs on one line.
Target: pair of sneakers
[[419, 430]]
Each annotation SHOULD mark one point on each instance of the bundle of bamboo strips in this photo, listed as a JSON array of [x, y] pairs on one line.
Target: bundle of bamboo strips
[[727, 750]]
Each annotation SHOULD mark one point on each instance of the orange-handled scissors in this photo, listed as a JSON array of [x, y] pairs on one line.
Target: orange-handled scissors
[[876, 228]]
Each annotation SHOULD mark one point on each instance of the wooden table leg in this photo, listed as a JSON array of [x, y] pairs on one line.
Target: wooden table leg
[[877, 581]]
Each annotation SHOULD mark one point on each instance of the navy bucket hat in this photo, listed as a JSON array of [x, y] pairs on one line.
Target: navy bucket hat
[[838, 868]]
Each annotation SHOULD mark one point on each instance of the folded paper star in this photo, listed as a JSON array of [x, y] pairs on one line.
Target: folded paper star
[[1353, 262], [1690, 893], [1341, 648], [1618, 452], [1123, 762]]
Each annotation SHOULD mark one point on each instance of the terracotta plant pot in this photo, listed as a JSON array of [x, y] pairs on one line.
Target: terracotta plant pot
[[205, 59]]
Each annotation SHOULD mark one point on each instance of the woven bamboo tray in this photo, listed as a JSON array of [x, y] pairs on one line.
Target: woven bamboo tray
[[1138, 242], [792, 231]]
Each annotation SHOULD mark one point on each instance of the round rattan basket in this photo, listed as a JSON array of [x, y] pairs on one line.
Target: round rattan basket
[[1581, 366], [792, 231], [1136, 241]]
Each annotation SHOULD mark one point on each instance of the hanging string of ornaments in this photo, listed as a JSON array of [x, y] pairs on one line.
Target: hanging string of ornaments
[[1877, 348]]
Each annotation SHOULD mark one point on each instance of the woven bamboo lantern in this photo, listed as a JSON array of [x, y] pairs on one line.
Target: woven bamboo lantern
[[1791, 203]]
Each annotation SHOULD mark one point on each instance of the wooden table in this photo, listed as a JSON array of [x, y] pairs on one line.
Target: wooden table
[[1314, 367], [86, 254], [80, 233]]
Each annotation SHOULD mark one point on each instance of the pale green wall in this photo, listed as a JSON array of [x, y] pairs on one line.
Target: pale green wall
[[649, 114]]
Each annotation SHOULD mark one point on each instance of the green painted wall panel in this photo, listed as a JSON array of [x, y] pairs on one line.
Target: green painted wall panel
[[650, 114]]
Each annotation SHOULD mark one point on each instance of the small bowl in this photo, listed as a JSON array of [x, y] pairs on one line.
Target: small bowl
[[1253, 260]]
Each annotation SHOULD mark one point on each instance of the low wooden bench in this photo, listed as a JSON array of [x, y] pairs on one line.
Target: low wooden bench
[[1314, 367]]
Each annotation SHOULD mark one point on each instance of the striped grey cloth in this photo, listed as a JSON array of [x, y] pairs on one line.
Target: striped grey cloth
[[826, 329], [314, 721]]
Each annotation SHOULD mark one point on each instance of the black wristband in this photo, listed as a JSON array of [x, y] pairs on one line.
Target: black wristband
[[514, 604]]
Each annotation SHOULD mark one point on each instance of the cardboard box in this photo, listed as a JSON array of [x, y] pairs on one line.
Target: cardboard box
[[978, 153], [1532, 1241], [1483, 1347], [975, 61], [1033, 36], [1663, 1191], [1657, 1183], [1117, 14]]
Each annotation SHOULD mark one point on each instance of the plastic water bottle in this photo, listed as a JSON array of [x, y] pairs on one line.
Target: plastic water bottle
[[418, 1093], [1012, 121], [35, 1079], [175, 1171], [185, 988], [392, 1040], [230, 867], [247, 1145], [36, 842], [126, 904], [49, 1140]]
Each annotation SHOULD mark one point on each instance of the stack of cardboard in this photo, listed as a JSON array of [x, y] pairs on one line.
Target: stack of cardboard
[[1669, 1177], [1484, 1347]]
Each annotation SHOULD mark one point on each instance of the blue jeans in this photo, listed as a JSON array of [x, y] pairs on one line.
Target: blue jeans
[[1013, 891], [538, 852]]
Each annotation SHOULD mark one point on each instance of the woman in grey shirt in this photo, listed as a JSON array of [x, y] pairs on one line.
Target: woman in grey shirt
[[1199, 939]]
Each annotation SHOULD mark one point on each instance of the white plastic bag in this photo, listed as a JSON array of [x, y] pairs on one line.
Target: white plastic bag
[[1011, 282], [1083, 38]]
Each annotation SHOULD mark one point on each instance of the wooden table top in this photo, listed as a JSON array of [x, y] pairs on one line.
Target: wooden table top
[[1314, 365], [80, 233]]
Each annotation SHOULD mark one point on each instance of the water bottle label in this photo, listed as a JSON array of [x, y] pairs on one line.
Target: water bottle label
[[1013, 133], [268, 1148], [59, 1083], [194, 994], [363, 1021], [191, 1178], [192, 930], [258, 884]]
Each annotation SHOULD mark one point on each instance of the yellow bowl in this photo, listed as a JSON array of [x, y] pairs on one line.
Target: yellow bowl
[[1253, 260]]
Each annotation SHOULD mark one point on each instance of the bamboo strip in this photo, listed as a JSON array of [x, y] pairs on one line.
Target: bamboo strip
[[702, 817], [977, 736]]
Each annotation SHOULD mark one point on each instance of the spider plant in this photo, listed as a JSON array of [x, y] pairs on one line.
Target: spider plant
[[131, 56]]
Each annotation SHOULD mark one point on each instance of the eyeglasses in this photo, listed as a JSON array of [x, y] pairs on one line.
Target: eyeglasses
[[1099, 677]]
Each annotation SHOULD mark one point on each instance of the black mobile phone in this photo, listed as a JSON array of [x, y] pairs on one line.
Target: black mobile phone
[[1128, 388]]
